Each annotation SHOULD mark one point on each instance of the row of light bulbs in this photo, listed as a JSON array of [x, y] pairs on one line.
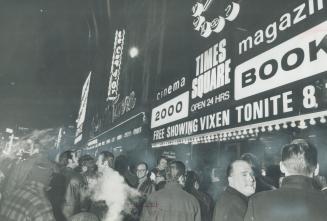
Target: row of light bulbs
[[245, 133]]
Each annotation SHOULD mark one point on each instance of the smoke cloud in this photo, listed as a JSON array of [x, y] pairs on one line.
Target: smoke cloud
[[112, 189]]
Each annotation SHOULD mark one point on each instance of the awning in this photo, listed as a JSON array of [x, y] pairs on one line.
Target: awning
[[128, 134], [247, 131]]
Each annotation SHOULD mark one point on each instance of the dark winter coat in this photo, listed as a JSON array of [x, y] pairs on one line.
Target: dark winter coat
[[171, 203], [231, 206], [296, 200]]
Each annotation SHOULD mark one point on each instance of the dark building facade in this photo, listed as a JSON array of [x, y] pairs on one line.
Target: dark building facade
[[212, 80]]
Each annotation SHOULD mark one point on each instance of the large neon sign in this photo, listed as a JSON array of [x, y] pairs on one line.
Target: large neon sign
[[115, 66]]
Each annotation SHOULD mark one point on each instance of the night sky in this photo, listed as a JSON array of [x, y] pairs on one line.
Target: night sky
[[44, 60], [47, 49]]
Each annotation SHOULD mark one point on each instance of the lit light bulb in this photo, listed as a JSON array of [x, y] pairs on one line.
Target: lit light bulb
[[312, 121], [244, 132], [270, 128], [322, 120], [257, 130], [263, 129], [197, 9], [133, 52], [251, 131], [293, 124], [285, 125], [277, 127], [302, 125]]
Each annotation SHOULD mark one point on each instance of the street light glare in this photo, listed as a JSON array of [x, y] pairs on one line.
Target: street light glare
[[133, 52]]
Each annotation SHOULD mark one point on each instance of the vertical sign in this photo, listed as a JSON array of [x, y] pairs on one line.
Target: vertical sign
[[82, 110], [115, 65]]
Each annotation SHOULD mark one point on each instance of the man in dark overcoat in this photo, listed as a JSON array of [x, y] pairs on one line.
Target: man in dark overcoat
[[232, 204], [297, 199]]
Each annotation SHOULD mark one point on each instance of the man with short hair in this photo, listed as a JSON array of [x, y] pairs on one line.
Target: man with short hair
[[297, 198], [145, 184], [68, 159], [262, 182], [233, 201], [74, 184], [29, 202], [172, 203], [67, 162], [86, 165], [105, 160]]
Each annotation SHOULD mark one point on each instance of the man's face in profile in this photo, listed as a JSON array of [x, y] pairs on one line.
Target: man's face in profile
[[242, 178]]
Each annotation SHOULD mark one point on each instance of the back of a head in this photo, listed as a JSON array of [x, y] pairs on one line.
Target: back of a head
[[300, 158], [121, 164], [191, 178], [88, 162], [176, 169]]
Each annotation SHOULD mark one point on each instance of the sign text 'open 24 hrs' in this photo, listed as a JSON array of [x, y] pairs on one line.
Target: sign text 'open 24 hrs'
[[276, 73]]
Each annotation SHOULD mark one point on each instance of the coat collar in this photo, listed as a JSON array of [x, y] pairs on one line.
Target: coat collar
[[298, 182], [173, 185], [237, 193]]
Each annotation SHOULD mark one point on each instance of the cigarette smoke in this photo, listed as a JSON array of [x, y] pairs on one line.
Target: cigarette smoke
[[112, 188]]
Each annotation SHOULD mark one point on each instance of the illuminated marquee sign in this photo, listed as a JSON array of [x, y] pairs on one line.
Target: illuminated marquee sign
[[273, 78], [283, 64], [298, 58], [216, 25], [82, 110], [170, 111], [125, 105], [212, 70], [115, 65]]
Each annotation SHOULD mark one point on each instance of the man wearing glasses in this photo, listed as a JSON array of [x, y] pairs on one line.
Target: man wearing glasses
[[145, 184]]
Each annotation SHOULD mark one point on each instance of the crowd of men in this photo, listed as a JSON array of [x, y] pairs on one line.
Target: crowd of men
[[35, 189]]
